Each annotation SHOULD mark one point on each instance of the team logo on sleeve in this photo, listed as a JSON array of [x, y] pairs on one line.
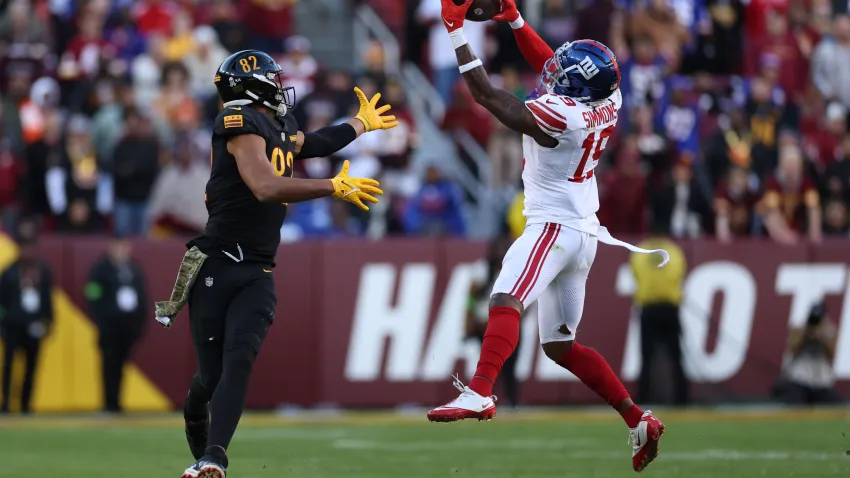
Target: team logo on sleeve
[[233, 121]]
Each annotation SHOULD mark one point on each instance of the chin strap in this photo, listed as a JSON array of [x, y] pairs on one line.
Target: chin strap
[[281, 109]]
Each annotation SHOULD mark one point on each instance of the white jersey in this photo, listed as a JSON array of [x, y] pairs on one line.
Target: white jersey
[[560, 186]]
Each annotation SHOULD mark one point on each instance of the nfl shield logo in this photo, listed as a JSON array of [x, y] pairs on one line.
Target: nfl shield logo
[[209, 281], [283, 136]]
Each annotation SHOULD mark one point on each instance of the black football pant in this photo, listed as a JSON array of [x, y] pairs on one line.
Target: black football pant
[[231, 307], [660, 332], [117, 340], [17, 337]]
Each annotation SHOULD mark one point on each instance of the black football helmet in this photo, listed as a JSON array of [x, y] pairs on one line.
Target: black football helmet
[[251, 76]]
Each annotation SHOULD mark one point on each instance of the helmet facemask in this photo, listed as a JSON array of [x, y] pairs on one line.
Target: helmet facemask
[[554, 77], [280, 99]]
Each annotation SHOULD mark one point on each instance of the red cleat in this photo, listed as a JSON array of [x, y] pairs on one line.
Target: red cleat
[[468, 405], [644, 439]]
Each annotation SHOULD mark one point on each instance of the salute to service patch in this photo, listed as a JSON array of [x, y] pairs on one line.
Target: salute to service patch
[[233, 121]]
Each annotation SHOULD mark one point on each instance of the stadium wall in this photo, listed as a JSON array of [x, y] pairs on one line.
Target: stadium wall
[[377, 324]]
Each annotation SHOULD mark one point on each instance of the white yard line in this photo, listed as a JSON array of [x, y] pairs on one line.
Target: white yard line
[[463, 444], [578, 449]]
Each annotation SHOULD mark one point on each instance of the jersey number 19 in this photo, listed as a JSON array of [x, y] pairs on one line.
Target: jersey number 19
[[593, 145]]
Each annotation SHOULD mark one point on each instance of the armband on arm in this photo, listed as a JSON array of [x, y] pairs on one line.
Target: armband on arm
[[327, 141]]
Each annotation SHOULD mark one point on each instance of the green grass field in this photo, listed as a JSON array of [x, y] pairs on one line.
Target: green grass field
[[588, 444]]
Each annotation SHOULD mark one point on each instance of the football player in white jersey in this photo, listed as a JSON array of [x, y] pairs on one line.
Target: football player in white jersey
[[565, 123]]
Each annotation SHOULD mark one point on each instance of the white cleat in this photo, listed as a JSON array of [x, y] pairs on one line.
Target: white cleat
[[644, 439], [468, 405]]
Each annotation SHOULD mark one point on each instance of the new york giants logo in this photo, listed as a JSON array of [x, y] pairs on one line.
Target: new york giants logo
[[586, 67]]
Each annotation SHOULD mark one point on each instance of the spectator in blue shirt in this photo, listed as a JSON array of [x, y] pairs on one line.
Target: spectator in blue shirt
[[436, 208], [680, 117], [642, 78]]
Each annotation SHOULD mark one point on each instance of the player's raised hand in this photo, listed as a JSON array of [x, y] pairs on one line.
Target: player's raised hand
[[355, 190], [370, 115], [509, 12], [454, 14]]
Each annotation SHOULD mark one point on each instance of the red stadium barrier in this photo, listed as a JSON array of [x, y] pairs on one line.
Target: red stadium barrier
[[378, 324]]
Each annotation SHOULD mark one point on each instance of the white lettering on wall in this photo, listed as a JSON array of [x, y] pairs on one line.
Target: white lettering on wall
[[807, 284], [380, 324], [738, 289], [447, 345]]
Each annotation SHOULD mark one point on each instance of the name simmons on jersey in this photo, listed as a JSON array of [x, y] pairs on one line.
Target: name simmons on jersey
[[599, 116]]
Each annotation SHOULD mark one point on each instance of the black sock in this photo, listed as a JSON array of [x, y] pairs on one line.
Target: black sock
[[228, 401], [215, 454], [196, 408]]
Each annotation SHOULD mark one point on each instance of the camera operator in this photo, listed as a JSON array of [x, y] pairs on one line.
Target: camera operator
[[808, 361]]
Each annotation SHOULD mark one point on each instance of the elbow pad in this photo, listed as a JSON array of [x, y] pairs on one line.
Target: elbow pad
[[327, 141]]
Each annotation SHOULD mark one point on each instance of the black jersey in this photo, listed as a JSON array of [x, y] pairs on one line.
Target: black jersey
[[240, 227]]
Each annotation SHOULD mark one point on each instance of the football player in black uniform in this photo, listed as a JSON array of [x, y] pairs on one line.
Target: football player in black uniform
[[225, 277]]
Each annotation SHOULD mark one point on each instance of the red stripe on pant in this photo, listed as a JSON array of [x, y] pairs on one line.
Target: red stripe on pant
[[536, 261], [529, 260], [542, 262]]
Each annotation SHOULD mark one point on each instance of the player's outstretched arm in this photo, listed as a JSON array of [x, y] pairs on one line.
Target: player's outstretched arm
[[532, 47], [256, 170], [504, 105], [331, 139]]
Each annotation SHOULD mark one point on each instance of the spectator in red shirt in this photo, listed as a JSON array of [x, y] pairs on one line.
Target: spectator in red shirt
[[804, 32], [757, 13], [622, 191], [86, 50], [836, 178], [734, 206], [153, 16], [791, 203], [781, 43], [269, 21], [10, 173], [466, 115], [823, 142]]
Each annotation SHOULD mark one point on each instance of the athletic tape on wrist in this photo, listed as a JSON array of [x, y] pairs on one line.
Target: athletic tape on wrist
[[518, 23], [458, 38], [471, 65]]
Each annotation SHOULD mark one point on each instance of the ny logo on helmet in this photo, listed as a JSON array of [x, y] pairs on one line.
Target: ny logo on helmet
[[586, 67]]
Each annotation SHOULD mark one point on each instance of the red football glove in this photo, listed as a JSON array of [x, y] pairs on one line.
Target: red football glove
[[509, 12], [453, 15]]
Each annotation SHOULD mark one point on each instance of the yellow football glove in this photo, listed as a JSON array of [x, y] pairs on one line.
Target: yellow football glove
[[355, 190], [370, 114]]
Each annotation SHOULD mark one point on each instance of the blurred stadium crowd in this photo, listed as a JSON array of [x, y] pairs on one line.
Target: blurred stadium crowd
[[735, 121]]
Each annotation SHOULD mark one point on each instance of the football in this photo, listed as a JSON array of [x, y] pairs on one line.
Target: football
[[481, 10]]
